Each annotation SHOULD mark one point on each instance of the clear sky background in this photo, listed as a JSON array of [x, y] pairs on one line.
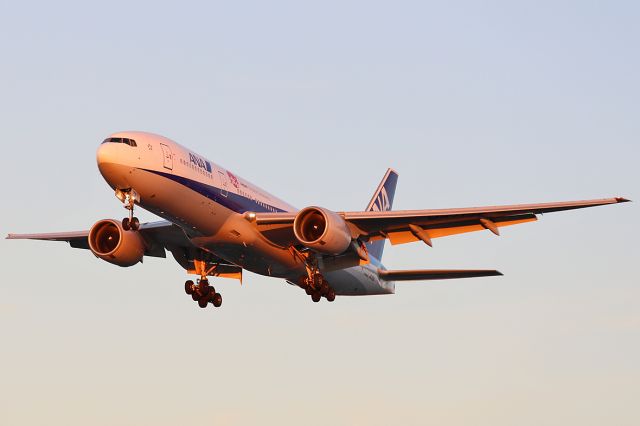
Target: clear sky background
[[474, 103]]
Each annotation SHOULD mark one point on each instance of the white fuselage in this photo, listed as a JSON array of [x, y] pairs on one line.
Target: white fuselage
[[209, 203]]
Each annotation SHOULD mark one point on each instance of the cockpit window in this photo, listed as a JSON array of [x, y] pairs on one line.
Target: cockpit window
[[128, 141]]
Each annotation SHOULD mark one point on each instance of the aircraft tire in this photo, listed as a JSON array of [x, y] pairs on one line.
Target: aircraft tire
[[216, 300], [135, 224], [316, 296], [203, 302], [205, 290], [188, 287], [331, 296], [126, 225]]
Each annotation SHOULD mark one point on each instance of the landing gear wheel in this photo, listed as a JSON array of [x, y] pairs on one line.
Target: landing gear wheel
[[216, 299], [126, 224], [308, 290], [331, 296], [188, 287], [203, 301], [324, 288], [315, 296], [195, 296], [204, 288], [134, 224]]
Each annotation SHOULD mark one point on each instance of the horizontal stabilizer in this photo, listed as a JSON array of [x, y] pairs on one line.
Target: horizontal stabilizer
[[435, 274]]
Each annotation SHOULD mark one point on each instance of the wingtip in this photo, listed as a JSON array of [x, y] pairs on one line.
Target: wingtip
[[499, 274], [622, 200]]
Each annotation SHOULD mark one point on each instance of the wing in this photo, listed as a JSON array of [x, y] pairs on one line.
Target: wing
[[159, 237], [404, 226], [156, 234]]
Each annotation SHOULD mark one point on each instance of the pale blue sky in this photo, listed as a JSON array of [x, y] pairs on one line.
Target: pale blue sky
[[473, 103]]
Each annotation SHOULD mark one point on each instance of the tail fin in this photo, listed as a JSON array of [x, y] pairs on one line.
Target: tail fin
[[382, 200]]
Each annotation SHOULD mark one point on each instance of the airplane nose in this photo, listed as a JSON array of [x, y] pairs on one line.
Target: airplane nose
[[107, 153]]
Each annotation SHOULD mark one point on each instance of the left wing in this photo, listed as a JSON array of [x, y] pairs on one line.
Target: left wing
[[404, 226], [158, 236]]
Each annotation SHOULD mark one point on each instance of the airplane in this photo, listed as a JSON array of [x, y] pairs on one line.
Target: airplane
[[217, 224]]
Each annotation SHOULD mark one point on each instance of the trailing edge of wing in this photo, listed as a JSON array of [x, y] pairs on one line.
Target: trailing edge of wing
[[435, 274]]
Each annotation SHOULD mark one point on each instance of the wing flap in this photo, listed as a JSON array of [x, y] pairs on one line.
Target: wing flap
[[435, 274]]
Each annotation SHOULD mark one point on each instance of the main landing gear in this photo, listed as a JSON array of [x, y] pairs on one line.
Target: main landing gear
[[203, 293], [129, 198], [317, 287], [314, 283]]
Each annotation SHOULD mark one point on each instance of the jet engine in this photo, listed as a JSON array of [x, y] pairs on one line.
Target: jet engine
[[110, 242], [322, 230]]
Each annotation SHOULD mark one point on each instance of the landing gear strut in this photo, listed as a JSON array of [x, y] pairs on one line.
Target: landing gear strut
[[129, 198]]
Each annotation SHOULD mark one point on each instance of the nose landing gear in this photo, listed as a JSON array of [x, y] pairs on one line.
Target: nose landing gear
[[129, 198]]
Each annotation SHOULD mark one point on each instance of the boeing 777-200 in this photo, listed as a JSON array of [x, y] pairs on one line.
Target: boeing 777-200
[[217, 224]]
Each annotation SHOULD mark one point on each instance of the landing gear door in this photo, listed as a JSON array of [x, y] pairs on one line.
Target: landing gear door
[[168, 156], [224, 183]]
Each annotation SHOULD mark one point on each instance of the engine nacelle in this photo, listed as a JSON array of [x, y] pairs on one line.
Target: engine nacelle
[[110, 242], [322, 230]]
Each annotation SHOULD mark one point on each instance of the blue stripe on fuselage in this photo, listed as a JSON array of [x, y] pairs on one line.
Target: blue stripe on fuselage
[[235, 202], [232, 201]]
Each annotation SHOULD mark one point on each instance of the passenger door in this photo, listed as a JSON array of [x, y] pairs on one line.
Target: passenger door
[[168, 156]]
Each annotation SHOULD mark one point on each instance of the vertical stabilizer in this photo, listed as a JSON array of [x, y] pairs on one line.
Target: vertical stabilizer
[[381, 201]]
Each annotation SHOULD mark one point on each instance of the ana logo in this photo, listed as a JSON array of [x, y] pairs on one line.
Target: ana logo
[[203, 164], [382, 202]]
